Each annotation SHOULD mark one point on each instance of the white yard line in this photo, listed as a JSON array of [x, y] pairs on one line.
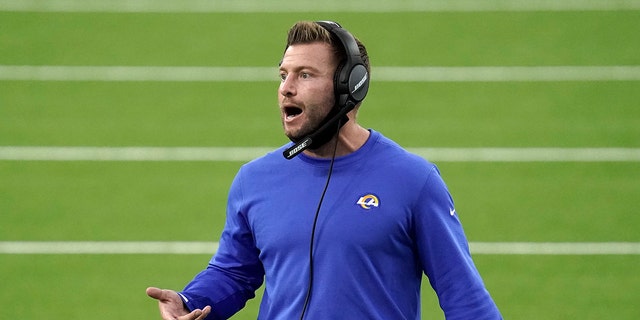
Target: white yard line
[[106, 247], [314, 6], [132, 153], [556, 248], [184, 247], [382, 73], [529, 154], [137, 73], [28, 153], [506, 73]]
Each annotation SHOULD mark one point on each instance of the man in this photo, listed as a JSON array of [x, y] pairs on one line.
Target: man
[[345, 229]]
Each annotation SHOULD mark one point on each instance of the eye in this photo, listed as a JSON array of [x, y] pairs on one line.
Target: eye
[[305, 75], [283, 76]]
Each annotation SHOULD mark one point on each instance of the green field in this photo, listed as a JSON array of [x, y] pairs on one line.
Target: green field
[[582, 201]]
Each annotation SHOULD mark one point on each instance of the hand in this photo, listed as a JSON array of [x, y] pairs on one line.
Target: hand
[[172, 308]]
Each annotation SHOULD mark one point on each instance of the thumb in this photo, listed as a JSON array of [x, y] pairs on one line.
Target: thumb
[[158, 293]]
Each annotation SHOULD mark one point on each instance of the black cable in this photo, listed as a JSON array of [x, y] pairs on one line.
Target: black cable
[[315, 222]]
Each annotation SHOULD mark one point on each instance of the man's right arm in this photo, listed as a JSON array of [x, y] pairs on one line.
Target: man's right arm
[[235, 272]]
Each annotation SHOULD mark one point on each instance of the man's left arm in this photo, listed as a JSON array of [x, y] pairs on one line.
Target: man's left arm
[[444, 254]]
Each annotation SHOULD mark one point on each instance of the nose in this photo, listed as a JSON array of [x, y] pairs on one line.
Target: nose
[[287, 87]]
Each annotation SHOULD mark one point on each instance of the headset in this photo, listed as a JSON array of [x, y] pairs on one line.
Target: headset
[[350, 85]]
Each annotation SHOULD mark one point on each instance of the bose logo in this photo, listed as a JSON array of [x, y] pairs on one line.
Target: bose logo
[[359, 84], [299, 148]]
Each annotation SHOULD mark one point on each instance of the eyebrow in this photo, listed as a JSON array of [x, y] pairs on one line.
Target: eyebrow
[[299, 68]]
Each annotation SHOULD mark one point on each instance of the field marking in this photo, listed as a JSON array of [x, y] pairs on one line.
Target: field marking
[[106, 247], [132, 153], [137, 73], [186, 247], [35, 153], [274, 6], [555, 248], [381, 73], [506, 73]]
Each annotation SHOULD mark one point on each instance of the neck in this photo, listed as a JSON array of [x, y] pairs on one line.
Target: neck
[[352, 136]]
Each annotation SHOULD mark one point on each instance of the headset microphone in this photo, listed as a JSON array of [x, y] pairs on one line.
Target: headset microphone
[[327, 128], [351, 84]]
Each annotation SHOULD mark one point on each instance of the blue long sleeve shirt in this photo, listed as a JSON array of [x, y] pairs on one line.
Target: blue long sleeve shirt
[[387, 218]]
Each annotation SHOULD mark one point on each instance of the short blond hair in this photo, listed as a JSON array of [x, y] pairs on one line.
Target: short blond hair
[[309, 32]]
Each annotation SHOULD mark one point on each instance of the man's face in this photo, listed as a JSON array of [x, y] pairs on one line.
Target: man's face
[[306, 93]]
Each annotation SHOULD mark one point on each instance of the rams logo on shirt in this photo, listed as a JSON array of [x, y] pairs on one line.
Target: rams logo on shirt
[[368, 201]]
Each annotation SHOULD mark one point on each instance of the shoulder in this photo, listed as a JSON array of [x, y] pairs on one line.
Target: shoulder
[[392, 154], [393, 165]]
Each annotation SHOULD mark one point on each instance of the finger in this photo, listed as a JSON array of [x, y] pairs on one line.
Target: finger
[[197, 314], [162, 295], [194, 315], [205, 313]]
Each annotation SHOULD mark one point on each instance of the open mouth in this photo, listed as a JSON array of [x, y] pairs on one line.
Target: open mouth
[[292, 112]]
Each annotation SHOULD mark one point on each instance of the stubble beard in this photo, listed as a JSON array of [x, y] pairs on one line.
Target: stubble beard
[[312, 124]]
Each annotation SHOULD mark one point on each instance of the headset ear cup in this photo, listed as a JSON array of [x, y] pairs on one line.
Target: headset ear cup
[[350, 85], [358, 83]]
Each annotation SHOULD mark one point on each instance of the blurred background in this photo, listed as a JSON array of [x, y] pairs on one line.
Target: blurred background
[[122, 124]]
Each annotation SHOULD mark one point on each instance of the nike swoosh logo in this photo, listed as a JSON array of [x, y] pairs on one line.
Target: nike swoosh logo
[[452, 211]]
